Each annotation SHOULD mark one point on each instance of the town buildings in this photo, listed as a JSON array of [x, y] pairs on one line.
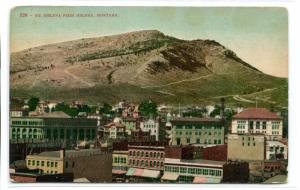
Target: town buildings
[[258, 120], [197, 131], [88, 163]]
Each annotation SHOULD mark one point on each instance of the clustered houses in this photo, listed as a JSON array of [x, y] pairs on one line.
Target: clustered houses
[[168, 149]]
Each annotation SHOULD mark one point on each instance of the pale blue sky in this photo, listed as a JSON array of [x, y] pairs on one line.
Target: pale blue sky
[[257, 35]]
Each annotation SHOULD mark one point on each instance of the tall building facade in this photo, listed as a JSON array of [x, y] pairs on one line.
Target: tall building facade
[[197, 131]]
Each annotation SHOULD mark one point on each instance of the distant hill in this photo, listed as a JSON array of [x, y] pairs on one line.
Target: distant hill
[[142, 65]]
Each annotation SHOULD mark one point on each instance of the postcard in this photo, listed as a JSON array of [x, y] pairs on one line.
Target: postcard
[[148, 95]]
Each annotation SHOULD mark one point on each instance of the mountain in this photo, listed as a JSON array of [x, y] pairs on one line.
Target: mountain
[[142, 65]]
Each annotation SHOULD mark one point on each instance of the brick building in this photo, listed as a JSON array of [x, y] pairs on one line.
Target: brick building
[[92, 164]]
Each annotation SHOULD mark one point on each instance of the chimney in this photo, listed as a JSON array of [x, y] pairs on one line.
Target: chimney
[[222, 108], [62, 153]]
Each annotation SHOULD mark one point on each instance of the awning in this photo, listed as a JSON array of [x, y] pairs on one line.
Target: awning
[[119, 171], [142, 173], [151, 173], [202, 179], [170, 176], [138, 172], [130, 171]]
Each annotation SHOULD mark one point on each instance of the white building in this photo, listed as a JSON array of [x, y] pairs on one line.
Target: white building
[[152, 126], [276, 150], [258, 120]]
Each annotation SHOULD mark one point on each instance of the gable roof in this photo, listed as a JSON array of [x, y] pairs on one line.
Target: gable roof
[[257, 113]]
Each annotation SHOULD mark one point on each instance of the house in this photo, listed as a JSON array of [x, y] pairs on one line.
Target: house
[[152, 126], [276, 150], [258, 120], [114, 130]]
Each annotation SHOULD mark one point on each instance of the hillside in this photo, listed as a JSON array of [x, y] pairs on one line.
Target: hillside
[[140, 65]]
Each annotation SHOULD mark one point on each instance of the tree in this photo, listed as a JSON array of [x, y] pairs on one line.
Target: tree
[[106, 109], [32, 103], [148, 109]]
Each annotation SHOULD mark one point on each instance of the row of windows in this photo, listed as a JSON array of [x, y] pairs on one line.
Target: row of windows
[[26, 123], [198, 133], [275, 127], [275, 132], [41, 163], [249, 144], [120, 160], [197, 127], [197, 171], [144, 163], [146, 154], [198, 141], [273, 148]]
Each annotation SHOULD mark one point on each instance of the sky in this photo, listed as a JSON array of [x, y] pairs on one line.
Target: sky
[[258, 35]]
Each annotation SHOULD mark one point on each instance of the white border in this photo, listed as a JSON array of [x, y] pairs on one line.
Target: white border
[[294, 93]]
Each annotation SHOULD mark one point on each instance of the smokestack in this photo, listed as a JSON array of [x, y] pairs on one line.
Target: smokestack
[[62, 153], [222, 108]]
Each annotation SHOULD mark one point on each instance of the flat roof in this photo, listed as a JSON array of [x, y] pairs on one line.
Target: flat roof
[[70, 153]]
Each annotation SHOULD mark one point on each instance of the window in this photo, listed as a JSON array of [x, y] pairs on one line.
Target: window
[[257, 125], [154, 154], [142, 163], [130, 153], [183, 170], [254, 144], [38, 163], [146, 154], [133, 153], [178, 141], [188, 140], [151, 154], [42, 163], [137, 162], [73, 164], [28, 162], [55, 164], [142, 154], [264, 125], [48, 164], [250, 124], [138, 153], [52, 164], [146, 163], [66, 164], [198, 141], [151, 164]]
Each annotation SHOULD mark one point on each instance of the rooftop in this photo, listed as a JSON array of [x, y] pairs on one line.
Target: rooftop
[[195, 162], [257, 113], [70, 153], [56, 114], [195, 120]]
